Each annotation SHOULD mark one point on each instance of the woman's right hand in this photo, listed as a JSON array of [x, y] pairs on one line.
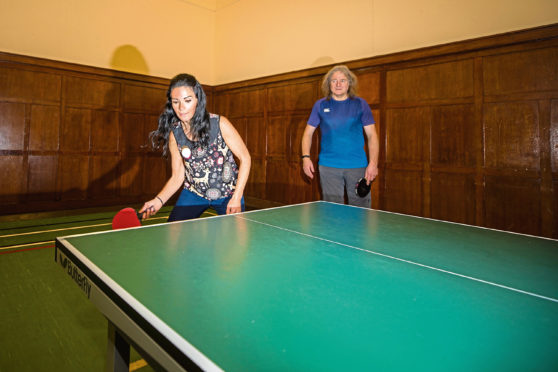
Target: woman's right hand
[[150, 208]]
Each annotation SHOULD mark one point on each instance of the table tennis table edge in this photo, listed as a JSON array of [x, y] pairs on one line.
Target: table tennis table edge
[[112, 300]]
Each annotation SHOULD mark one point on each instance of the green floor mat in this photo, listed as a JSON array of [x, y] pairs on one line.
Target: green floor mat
[[47, 322]]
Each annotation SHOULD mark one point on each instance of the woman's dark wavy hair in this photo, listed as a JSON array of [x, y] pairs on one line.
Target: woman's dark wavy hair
[[199, 125]]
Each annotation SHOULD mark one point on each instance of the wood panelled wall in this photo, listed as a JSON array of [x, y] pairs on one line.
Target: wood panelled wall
[[73, 136], [468, 132]]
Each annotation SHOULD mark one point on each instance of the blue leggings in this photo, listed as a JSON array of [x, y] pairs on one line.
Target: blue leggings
[[190, 205]]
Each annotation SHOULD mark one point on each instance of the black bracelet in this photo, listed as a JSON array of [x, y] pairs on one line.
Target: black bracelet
[[160, 201], [305, 156]]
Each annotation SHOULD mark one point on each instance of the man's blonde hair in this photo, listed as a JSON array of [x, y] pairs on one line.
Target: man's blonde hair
[[353, 82]]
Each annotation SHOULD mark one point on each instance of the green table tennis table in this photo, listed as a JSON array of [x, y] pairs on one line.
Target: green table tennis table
[[322, 287]]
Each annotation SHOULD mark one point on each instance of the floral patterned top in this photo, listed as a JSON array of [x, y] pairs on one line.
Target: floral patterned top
[[210, 172]]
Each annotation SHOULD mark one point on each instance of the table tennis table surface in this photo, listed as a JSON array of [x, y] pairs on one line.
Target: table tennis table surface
[[324, 286]]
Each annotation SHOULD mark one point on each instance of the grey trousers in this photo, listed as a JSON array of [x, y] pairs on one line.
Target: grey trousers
[[334, 181]]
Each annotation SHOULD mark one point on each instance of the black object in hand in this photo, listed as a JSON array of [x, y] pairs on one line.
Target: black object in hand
[[362, 189]]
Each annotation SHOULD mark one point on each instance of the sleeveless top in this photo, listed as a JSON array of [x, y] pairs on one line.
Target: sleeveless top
[[210, 172]]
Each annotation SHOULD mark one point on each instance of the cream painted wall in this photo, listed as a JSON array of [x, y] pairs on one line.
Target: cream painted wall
[[263, 37], [154, 37], [404, 24], [222, 41]]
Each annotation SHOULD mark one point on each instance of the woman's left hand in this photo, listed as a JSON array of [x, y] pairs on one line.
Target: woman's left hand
[[234, 206]]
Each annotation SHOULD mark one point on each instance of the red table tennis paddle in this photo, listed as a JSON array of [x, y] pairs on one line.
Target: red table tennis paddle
[[127, 217]]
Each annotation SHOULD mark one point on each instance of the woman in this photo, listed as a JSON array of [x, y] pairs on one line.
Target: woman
[[342, 117], [201, 146]]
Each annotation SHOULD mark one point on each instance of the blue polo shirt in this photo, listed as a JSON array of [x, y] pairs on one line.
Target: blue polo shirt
[[341, 124]]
